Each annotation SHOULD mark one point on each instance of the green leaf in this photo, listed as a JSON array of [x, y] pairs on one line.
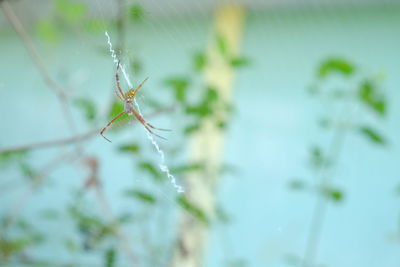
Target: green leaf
[[221, 124], [13, 156], [136, 12], [149, 168], [205, 107], [94, 25], [125, 218], [199, 61], [179, 85], [297, 184], [131, 148], [335, 65], [222, 45], [370, 97], [333, 194], [24, 225], [201, 110], [325, 123], [191, 128], [222, 215], [47, 31], [87, 106], [116, 108], [372, 135], [135, 66], [28, 171], [193, 167], [211, 95], [71, 246], [318, 159], [12, 247], [109, 257], [192, 209], [141, 195], [239, 62], [71, 10]]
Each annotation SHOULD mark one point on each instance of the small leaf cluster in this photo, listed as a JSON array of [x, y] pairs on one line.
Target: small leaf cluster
[[366, 93]]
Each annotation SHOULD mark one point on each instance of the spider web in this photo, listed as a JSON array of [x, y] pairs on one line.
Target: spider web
[[162, 165]]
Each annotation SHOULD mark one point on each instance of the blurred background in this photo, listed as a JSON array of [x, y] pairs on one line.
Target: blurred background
[[284, 133]]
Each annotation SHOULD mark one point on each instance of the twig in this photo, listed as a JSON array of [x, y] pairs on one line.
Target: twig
[[94, 182], [318, 216], [69, 140], [52, 143], [121, 27], [13, 19], [18, 27], [18, 206]]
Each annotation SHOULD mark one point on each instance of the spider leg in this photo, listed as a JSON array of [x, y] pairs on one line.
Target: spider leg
[[139, 86], [108, 124], [153, 133], [145, 124], [160, 129], [117, 94], [118, 84]]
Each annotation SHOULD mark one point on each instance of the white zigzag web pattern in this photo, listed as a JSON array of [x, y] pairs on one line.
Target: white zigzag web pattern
[[163, 167]]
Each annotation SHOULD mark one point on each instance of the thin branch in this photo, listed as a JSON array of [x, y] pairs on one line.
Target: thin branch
[[37, 60], [94, 182], [318, 216], [121, 27], [13, 19], [52, 143], [37, 181], [70, 140]]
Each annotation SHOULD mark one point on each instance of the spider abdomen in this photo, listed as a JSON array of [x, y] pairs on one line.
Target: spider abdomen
[[128, 107]]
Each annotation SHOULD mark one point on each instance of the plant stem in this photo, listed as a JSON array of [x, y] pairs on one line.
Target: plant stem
[[37, 60], [326, 172]]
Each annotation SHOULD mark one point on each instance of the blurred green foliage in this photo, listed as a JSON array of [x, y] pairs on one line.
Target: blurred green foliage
[[335, 65], [7, 158], [370, 96], [131, 148], [141, 195], [88, 108], [192, 209], [71, 10], [372, 135], [367, 93], [48, 31], [136, 12]]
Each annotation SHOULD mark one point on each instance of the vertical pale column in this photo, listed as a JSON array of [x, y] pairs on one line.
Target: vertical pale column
[[207, 143]]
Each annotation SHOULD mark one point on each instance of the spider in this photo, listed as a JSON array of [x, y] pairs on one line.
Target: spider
[[128, 98]]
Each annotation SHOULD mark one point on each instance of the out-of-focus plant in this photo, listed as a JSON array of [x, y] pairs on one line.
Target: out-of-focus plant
[[347, 94]]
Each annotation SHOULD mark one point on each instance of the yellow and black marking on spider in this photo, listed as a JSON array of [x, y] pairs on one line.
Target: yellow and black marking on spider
[[128, 100]]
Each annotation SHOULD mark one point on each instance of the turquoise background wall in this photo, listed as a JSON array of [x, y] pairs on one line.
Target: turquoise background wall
[[268, 139]]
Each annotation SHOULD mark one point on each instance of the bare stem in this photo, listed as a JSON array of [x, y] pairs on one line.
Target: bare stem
[[38, 180], [318, 217], [94, 182], [70, 140], [37, 60], [51, 143]]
